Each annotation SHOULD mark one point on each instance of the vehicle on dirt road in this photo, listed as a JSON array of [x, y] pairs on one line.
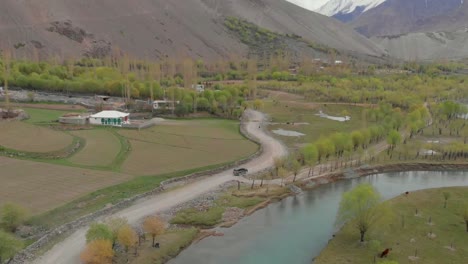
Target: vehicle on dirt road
[[240, 172]]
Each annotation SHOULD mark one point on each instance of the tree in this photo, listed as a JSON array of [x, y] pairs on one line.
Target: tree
[[98, 231], [465, 216], [9, 246], [294, 166], [393, 138], [310, 154], [98, 252], [258, 104], [446, 197], [6, 75], [13, 216], [278, 163], [115, 224], [127, 237], [154, 226], [361, 205]]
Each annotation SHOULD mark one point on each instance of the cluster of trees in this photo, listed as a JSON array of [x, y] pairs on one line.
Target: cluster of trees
[[102, 238], [399, 90], [11, 218], [386, 122]]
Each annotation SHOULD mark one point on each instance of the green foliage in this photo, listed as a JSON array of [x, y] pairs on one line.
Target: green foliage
[[9, 246], [12, 216], [192, 216], [249, 33], [361, 205], [98, 231]]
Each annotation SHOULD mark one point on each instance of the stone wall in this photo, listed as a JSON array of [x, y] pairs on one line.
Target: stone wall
[[29, 253]]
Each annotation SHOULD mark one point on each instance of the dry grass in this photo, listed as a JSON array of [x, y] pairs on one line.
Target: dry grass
[[184, 145], [41, 187], [30, 138], [101, 148]]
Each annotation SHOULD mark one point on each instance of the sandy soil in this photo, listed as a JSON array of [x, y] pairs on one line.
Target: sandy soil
[[68, 250]]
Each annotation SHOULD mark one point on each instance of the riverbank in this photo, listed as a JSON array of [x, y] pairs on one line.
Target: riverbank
[[421, 230], [208, 201], [208, 214]]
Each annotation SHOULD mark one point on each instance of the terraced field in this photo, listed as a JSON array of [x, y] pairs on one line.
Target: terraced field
[[41, 186], [26, 137], [101, 148], [177, 146]]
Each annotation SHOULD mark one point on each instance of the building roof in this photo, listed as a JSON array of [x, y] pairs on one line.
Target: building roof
[[110, 114]]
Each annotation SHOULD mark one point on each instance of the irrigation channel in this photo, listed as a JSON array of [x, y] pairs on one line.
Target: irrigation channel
[[296, 229]]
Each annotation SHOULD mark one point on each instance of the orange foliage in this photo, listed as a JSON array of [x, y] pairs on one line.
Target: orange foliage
[[98, 252], [127, 237], [154, 226]]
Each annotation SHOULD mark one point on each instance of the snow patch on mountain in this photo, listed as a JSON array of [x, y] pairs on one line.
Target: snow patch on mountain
[[334, 7]]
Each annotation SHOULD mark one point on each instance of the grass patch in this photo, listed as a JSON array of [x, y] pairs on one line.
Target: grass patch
[[44, 116], [191, 216], [180, 145], [101, 148], [27, 137], [312, 126], [239, 202], [408, 232], [172, 242]]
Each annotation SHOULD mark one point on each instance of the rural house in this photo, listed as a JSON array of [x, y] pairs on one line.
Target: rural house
[[110, 118]]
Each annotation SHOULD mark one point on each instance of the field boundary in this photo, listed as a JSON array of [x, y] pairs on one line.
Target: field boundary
[[30, 252]]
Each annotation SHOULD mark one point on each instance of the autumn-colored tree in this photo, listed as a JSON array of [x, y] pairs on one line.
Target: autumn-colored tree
[[98, 231], [12, 216], [98, 252], [154, 226], [9, 246], [115, 224], [127, 237]]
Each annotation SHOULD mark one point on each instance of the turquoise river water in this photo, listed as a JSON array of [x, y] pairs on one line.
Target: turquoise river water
[[296, 229]]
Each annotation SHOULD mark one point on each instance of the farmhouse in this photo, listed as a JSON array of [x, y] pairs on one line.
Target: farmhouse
[[110, 118]]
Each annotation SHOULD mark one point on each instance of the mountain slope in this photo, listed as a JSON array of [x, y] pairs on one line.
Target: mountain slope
[[159, 28], [395, 17], [426, 46]]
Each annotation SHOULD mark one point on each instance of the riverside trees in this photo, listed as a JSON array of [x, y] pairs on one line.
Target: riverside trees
[[362, 206]]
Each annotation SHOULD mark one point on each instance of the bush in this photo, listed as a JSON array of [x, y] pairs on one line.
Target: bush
[[194, 217]]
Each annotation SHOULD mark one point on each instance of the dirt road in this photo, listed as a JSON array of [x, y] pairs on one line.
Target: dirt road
[[67, 251]]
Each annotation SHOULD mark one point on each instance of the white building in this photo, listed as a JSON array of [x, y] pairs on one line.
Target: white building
[[110, 118]]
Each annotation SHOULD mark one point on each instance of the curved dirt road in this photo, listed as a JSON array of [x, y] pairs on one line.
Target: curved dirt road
[[67, 251]]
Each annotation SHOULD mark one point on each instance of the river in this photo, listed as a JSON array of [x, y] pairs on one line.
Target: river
[[296, 229]]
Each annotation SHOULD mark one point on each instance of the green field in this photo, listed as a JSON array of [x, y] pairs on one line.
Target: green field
[[101, 148], [27, 137], [38, 116], [182, 145], [111, 164], [442, 240], [301, 118]]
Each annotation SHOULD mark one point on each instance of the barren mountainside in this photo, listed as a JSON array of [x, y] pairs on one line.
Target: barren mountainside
[[395, 17], [159, 28]]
